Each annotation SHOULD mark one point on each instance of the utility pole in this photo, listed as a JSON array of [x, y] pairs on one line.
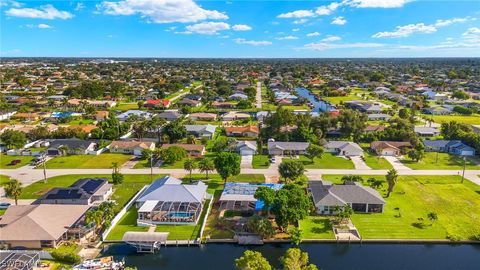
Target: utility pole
[[151, 168], [44, 160], [464, 163]]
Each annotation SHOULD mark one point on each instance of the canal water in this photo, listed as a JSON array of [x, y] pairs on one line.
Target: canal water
[[318, 106], [327, 256]]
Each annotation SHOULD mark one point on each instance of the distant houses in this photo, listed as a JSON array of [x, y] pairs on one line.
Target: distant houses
[[455, 147]]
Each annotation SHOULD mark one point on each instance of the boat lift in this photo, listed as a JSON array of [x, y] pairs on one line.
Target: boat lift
[[146, 242]]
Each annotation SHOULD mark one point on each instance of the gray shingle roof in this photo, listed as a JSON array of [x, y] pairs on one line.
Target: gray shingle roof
[[325, 193], [170, 189]]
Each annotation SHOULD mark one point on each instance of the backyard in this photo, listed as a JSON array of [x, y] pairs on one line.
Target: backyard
[[316, 227], [442, 161], [6, 160], [405, 215], [102, 161], [328, 161]]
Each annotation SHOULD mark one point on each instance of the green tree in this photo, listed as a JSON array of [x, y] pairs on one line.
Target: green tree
[[291, 169], [206, 165], [416, 155], [343, 213], [267, 195], [252, 260], [172, 154], [261, 226], [403, 113], [13, 138], [189, 165], [175, 130], [295, 259], [314, 151], [227, 164], [13, 189], [296, 235], [351, 178], [391, 178], [117, 177], [291, 204]]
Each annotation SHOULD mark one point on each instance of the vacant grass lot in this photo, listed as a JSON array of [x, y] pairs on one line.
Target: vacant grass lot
[[102, 161], [445, 162], [376, 162], [126, 106], [328, 161], [4, 180], [260, 162], [405, 215], [466, 119], [316, 227], [5, 161]]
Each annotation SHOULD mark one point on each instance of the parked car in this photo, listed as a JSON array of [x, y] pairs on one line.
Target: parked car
[[272, 160], [4, 205]]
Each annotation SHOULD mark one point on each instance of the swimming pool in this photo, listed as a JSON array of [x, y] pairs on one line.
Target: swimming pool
[[180, 214]]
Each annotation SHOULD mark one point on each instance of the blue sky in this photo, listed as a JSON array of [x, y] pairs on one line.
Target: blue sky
[[188, 28]]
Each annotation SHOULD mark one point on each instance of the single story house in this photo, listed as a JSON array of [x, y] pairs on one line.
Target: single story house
[[168, 201], [201, 131], [343, 148], [247, 148], [85, 191], [189, 102], [373, 128], [101, 115], [327, 196], [427, 131], [232, 116], [194, 150], [134, 113], [157, 103], [437, 110], [389, 148], [287, 148], [238, 96], [379, 117], [42, 225], [455, 147], [245, 131], [170, 115], [5, 115], [240, 196], [130, 147], [57, 147], [203, 116]]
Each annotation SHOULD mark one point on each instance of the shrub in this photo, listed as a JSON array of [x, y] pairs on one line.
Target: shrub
[[63, 256]]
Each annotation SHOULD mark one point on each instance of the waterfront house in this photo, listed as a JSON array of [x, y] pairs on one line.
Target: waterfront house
[[240, 196], [327, 196], [168, 201]]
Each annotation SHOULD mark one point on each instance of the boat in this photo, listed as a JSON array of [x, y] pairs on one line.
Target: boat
[[104, 263]]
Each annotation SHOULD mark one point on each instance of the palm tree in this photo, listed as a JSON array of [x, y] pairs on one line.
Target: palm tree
[[205, 165], [191, 139], [391, 180], [115, 167], [63, 149], [190, 165], [13, 190]]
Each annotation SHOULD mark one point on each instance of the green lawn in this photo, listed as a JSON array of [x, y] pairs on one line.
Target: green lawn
[[376, 162], [81, 122], [466, 119], [128, 223], [102, 161], [126, 106], [178, 164], [316, 227], [337, 100], [260, 162], [4, 180], [445, 162], [2, 211], [5, 161], [405, 215], [328, 161]]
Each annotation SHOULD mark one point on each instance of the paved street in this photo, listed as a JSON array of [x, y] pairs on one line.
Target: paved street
[[258, 97], [28, 175]]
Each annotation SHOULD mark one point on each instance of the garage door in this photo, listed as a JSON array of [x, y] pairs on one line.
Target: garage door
[[246, 152]]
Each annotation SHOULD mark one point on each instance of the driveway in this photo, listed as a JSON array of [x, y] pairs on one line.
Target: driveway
[[359, 163], [246, 162], [258, 96], [396, 164]]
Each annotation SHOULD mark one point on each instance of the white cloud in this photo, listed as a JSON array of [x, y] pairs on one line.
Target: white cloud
[[407, 30], [44, 26], [4, 3], [79, 6], [313, 34], [441, 23], [208, 28], [241, 27], [287, 38], [328, 9], [296, 29], [252, 42], [300, 21], [164, 11], [472, 31], [321, 46], [297, 14], [339, 20], [48, 12], [331, 39], [376, 3]]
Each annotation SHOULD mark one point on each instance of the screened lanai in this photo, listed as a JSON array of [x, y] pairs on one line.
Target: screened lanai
[[165, 212]]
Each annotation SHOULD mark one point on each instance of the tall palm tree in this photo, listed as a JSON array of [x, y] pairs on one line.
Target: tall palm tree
[[190, 165], [206, 165], [391, 177], [13, 190]]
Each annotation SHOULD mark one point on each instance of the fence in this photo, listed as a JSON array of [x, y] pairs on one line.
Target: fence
[[122, 212], [205, 218]]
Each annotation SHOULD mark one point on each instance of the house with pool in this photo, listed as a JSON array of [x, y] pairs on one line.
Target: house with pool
[[168, 201]]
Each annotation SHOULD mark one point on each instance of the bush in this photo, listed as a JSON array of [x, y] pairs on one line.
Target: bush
[[67, 257]]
